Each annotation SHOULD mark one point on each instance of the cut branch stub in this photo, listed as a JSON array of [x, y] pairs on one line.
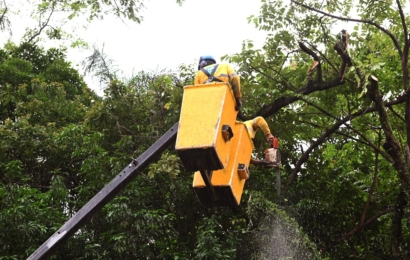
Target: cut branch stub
[[316, 63]]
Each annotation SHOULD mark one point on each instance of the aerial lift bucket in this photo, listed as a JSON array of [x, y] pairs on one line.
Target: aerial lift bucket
[[228, 183], [205, 126], [211, 143]]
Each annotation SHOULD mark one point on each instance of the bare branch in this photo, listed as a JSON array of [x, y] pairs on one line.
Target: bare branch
[[285, 59], [4, 13], [315, 64], [391, 145], [357, 229], [369, 197], [397, 115], [341, 49], [42, 26], [272, 78], [395, 41], [326, 59], [308, 51], [396, 226], [314, 145], [368, 141], [312, 86], [371, 144], [4, 20], [284, 101], [331, 130], [403, 22]]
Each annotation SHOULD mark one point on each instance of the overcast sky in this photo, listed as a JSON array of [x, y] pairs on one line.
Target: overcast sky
[[171, 34]]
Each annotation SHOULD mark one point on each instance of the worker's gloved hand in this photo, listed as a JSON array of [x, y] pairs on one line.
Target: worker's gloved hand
[[238, 104], [270, 138]]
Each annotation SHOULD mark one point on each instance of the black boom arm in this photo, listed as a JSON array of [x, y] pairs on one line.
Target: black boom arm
[[105, 195]]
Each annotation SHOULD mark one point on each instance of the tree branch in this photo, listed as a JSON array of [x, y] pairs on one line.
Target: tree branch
[[4, 13], [396, 227], [311, 86], [403, 22], [316, 63], [397, 115], [331, 130], [369, 197], [395, 41], [291, 87], [272, 108], [357, 229], [391, 145], [371, 144], [4, 20], [44, 25], [368, 141]]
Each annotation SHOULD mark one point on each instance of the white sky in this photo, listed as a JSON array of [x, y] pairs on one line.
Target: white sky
[[171, 35]]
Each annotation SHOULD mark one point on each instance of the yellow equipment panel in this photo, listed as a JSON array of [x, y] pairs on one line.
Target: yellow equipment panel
[[205, 110], [228, 183]]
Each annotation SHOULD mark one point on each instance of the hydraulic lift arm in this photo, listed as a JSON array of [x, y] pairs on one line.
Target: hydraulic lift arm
[[105, 195]]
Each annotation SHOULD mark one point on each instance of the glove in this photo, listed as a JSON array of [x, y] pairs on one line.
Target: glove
[[270, 138], [238, 104]]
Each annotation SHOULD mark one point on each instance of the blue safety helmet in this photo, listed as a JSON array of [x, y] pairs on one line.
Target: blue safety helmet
[[205, 60]]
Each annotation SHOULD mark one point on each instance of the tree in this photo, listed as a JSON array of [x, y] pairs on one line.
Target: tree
[[338, 102], [61, 144], [41, 100]]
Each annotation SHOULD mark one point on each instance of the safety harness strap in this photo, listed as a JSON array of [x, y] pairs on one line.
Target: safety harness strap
[[211, 77]]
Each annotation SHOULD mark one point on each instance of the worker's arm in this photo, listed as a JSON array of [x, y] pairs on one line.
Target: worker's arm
[[200, 78], [260, 122], [235, 82]]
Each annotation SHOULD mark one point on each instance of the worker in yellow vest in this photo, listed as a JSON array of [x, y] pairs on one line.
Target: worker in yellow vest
[[209, 71]]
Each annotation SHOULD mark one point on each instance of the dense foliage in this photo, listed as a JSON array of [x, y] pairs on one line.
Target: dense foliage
[[338, 101], [61, 144]]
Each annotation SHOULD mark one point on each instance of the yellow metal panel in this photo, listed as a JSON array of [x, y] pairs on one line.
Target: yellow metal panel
[[198, 181], [205, 109], [240, 153]]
